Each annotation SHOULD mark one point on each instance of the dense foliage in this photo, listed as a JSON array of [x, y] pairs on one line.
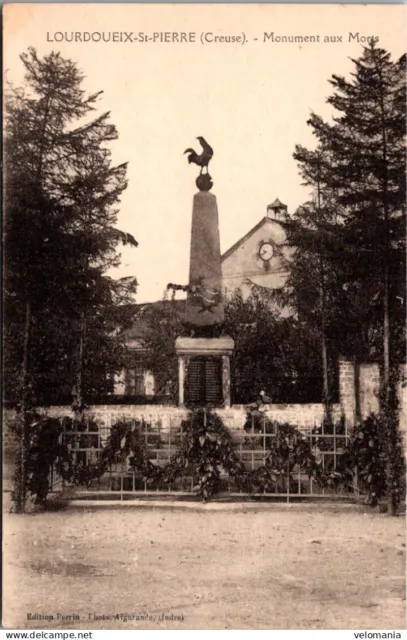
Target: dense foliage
[[273, 354], [162, 323]]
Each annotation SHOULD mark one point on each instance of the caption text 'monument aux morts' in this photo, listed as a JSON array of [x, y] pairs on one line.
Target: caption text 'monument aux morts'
[[206, 37]]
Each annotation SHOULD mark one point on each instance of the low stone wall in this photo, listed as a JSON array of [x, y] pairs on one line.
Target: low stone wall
[[303, 416]]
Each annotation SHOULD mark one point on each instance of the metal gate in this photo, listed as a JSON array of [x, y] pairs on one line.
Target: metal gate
[[86, 443]]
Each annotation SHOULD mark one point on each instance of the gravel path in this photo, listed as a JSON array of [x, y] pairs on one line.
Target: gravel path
[[249, 567]]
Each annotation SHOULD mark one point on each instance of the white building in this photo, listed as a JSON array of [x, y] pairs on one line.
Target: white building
[[261, 257]]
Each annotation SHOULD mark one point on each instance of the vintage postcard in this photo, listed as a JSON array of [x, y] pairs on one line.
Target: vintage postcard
[[204, 311]]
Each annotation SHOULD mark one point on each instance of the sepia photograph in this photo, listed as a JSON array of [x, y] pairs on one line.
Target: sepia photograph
[[204, 318]]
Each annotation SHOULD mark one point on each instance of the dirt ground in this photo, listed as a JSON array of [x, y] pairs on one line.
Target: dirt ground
[[253, 566]]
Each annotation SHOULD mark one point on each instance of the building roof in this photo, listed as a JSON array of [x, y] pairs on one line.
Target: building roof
[[237, 244]]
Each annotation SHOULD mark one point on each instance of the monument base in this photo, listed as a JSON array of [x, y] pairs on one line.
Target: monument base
[[204, 371]]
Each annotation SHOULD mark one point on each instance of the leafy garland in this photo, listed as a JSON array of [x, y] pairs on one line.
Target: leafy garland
[[206, 452], [288, 450], [206, 447], [125, 443]]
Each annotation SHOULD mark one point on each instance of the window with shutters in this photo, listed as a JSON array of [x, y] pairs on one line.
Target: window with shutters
[[135, 381], [204, 382]]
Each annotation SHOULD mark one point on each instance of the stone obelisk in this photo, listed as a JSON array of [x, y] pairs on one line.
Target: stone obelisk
[[204, 357], [204, 300]]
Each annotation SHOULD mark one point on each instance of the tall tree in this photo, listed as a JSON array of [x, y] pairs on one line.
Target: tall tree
[[61, 200], [365, 143], [315, 231]]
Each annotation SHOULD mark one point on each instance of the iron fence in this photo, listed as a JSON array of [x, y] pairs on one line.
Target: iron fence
[[86, 443]]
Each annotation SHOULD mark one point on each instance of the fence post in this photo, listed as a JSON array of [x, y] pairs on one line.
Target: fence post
[[62, 440], [334, 446], [264, 436], [356, 482], [288, 481], [169, 444]]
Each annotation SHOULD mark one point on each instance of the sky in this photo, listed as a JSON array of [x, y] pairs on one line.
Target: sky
[[250, 100]]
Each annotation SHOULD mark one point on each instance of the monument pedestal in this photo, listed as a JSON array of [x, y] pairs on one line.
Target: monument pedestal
[[204, 371]]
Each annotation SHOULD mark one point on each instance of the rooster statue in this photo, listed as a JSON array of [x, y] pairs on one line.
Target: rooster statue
[[203, 159]]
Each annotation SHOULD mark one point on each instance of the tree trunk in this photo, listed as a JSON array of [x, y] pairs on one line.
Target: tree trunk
[[20, 486], [389, 416], [20, 489], [386, 333], [389, 412], [78, 401], [325, 360], [388, 407], [358, 410], [324, 350]]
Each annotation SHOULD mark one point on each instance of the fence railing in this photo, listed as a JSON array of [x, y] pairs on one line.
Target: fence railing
[[86, 442]]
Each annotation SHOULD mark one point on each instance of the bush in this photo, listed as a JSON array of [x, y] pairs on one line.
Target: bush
[[43, 449], [367, 452]]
